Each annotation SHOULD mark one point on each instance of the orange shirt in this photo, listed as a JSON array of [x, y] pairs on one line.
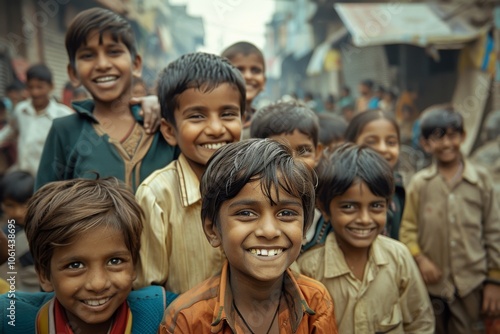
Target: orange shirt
[[308, 308]]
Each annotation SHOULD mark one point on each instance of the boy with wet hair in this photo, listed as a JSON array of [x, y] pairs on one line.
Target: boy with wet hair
[[257, 202], [105, 134], [202, 98], [451, 225], [84, 238]]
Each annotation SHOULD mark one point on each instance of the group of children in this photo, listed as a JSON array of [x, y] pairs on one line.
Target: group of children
[[288, 232]]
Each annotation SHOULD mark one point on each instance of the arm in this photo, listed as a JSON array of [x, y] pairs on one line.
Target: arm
[[8, 133], [53, 163], [150, 110]]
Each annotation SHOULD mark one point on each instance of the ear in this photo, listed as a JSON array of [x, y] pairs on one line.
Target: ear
[[212, 233], [45, 282], [73, 76], [319, 154], [168, 131], [137, 66]]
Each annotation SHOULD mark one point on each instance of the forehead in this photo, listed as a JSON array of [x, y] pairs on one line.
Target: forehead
[[35, 82], [250, 59], [379, 126], [293, 139], [222, 95]]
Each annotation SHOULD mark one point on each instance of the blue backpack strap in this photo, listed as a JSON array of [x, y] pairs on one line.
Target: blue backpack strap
[[24, 306]]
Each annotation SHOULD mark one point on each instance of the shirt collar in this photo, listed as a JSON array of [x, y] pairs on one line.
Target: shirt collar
[[469, 174], [188, 182], [48, 111], [86, 108]]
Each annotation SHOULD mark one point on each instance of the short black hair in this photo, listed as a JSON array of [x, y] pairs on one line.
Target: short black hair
[[368, 83], [437, 119], [15, 86], [103, 21], [331, 128], [358, 122], [348, 165], [17, 186], [40, 72], [244, 48], [284, 118], [202, 71], [265, 160]]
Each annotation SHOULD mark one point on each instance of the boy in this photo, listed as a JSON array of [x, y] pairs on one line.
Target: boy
[[84, 237], [257, 202], [105, 135], [331, 130], [451, 226], [297, 125], [202, 97], [249, 60], [33, 118], [372, 279]]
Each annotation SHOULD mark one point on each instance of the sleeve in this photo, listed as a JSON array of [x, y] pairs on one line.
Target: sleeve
[[491, 226], [8, 133], [153, 264], [324, 319], [54, 165], [418, 316], [408, 232]]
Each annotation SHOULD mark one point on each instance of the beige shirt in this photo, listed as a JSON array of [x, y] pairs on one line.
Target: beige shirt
[[457, 228], [391, 298], [174, 250]]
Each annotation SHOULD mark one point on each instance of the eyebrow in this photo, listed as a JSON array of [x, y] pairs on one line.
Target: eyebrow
[[110, 255], [249, 202]]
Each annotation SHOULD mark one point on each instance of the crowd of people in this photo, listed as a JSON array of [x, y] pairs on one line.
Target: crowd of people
[[192, 212]]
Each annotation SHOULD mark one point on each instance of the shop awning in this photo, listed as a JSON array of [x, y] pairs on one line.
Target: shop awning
[[443, 26]]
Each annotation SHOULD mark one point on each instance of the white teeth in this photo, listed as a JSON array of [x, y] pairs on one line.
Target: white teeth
[[96, 302], [214, 146], [266, 252], [105, 79], [361, 232]]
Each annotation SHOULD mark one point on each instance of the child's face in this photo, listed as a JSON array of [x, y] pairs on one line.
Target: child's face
[[381, 136], [15, 210], [252, 69], [303, 146], [204, 121], [91, 277], [260, 240], [39, 92], [357, 217], [104, 69], [445, 148]]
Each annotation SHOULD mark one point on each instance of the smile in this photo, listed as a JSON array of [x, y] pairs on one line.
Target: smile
[[96, 302], [362, 232], [266, 252], [213, 146], [106, 79]]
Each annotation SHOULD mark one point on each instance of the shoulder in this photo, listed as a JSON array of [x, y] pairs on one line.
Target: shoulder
[[160, 180], [314, 292], [60, 109], [392, 247]]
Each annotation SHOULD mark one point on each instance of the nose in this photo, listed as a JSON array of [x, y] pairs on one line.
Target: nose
[[381, 147], [98, 280], [268, 228], [215, 127], [247, 74], [364, 216], [102, 61]]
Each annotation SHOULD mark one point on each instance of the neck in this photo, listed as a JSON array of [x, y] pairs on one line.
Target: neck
[[252, 297], [41, 107], [113, 109]]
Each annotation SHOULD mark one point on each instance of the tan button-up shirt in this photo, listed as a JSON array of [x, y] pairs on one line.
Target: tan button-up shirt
[[391, 298], [174, 250], [457, 228]]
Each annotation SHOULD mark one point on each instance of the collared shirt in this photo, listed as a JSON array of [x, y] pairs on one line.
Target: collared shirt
[[208, 308], [32, 129], [457, 228], [174, 249], [390, 298]]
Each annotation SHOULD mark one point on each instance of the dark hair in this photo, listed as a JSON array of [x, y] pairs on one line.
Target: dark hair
[[331, 128], [348, 165], [40, 72], [16, 86], [436, 119], [17, 186], [284, 118], [358, 122], [245, 49], [347, 89], [100, 20], [368, 83], [202, 71], [265, 160], [61, 211]]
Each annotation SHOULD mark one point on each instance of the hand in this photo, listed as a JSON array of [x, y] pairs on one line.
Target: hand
[[430, 272], [150, 111], [491, 300]]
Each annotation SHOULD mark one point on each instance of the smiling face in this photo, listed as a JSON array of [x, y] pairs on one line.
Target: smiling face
[[39, 92], [445, 148], [302, 145], [251, 67], [105, 68], [204, 121], [91, 277], [260, 240], [357, 217], [382, 136]]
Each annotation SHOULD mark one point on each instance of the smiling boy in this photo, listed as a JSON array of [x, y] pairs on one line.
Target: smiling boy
[[202, 97], [257, 203]]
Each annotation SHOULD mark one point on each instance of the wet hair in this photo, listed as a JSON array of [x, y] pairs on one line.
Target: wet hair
[[61, 211], [284, 118], [100, 20], [264, 160], [349, 165], [17, 186], [245, 49], [40, 72], [437, 119], [201, 71], [358, 123], [331, 128]]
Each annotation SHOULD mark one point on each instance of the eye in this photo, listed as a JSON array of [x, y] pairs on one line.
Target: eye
[[115, 261], [347, 207], [379, 205], [256, 70], [392, 142], [245, 213], [287, 213], [304, 151], [75, 265], [85, 55], [231, 113], [115, 52]]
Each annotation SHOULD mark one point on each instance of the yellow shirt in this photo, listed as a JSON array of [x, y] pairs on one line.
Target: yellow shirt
[[174, 250], [457, 228], [392, 296]]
